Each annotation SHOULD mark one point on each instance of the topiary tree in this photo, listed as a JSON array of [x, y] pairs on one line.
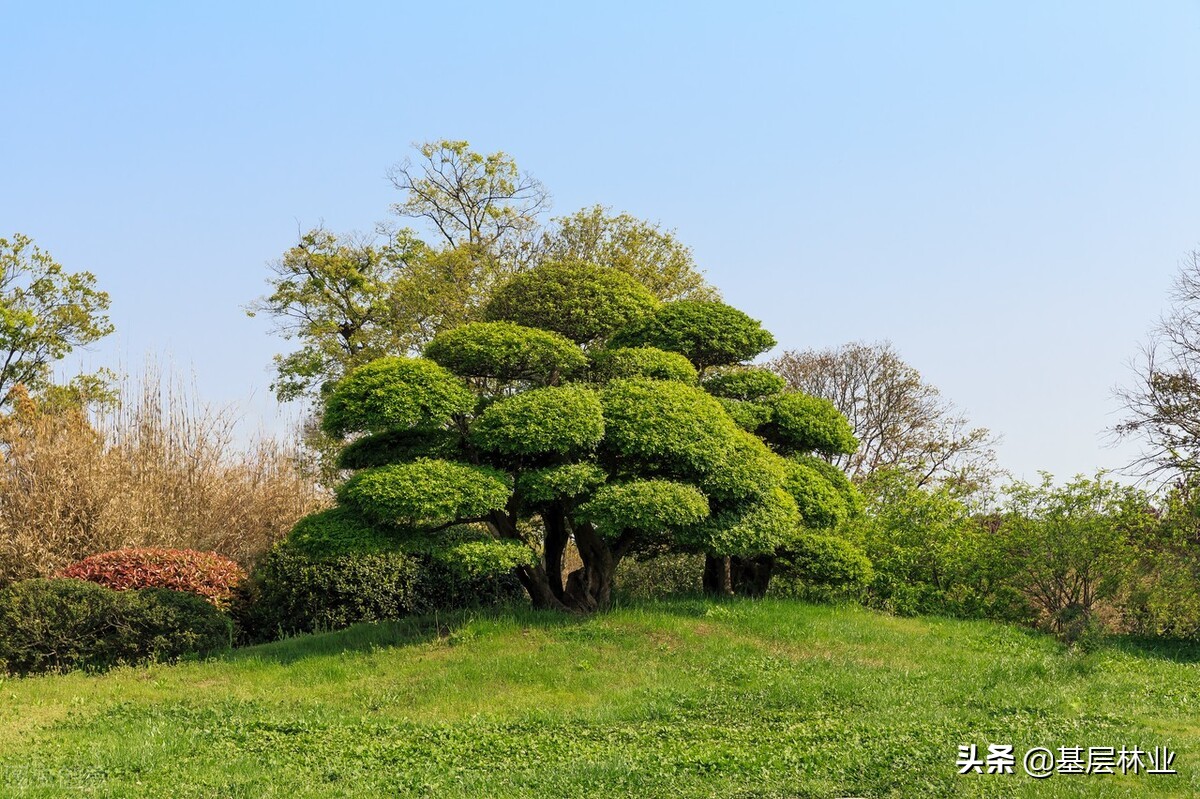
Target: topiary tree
[[575, 414]]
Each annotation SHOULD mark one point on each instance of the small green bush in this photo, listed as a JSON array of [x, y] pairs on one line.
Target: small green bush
[[61, 625], [557, 419], [425, 492], [392, 393], [581, 301]]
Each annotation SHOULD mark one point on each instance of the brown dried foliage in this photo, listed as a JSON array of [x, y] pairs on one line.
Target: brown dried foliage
[[160, 471]]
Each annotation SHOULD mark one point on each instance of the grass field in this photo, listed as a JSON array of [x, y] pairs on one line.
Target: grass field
[[682, 698]]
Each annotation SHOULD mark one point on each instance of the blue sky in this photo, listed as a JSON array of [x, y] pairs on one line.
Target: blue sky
[[1002, 189]]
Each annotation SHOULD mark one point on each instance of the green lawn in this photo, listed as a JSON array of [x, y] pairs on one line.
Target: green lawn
[[680, 698]]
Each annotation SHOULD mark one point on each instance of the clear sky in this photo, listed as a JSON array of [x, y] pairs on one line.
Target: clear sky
[[1002, 189]]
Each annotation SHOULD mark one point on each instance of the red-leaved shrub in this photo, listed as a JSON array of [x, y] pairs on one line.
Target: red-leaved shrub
[[205, 574]]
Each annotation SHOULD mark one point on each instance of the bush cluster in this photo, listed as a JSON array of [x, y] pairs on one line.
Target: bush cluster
[[205, 574], [290, 592], [64, 624]]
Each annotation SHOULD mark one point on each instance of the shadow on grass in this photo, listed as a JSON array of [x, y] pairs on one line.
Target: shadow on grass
[[411, 631], [1172, 649]]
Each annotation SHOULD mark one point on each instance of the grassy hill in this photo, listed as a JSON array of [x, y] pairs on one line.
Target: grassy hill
[[682, 698]]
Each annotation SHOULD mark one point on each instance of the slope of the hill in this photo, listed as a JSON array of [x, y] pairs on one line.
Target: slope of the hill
[[680, 698]]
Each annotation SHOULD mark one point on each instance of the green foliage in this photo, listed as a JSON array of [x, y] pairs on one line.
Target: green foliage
[[750, 416], [45, 313], [61, 625], [707, 333], [757, 527], [851, 496], [667, 427], [553, 483], [645, 252], [820, 504], [746, 468], [821, 568], [657, 574], [745, 384], [581, 301], [506, 351], [485, 557], [1072, 546], [394, 446], [1162, 597], [560, 420], [618, 362], [425, 492], [298, 588], [347, 300], [290, 592], [653, 507], [802, 424], [468, 198], [395, 393], [340, 531], [929, 553]]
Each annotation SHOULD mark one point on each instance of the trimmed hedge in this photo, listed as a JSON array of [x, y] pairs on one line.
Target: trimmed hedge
[[290, 592], [66, 624], [205, 574]]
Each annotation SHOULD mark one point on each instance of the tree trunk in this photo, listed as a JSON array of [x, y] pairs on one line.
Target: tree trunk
[[589, 588], [751, 576], [537, 584], [717, 579], [555, 546]]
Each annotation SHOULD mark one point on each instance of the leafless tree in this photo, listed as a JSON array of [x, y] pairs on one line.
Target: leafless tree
[[1162, 408], [900, 420]]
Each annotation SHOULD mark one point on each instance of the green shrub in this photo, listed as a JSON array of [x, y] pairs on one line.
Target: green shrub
[[821, 568], [291, 592], [395, 446], [425, 492], [667, 427], [750, 416], [61, 625], [451, 582], [169, 625], [558, 419], [568, 481], [649, 506], [800, 424]]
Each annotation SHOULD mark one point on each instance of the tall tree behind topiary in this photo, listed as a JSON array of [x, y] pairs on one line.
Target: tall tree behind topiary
[[574, 412]]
